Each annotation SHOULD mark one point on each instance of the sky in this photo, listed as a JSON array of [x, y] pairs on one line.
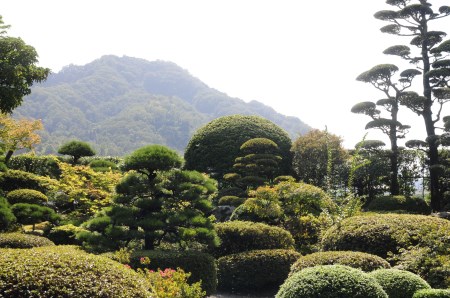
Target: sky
[[299, 57]]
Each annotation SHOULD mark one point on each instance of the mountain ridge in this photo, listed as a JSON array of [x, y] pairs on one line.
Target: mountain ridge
[[119, 104]]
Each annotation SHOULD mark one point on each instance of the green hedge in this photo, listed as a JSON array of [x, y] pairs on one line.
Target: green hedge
[[19, 240], [255, 271], [231, 201], [399, 283], [29, 196], [46, 165], [432, 293], [359, 260], [202, 266], [399, 203], [65, 235], [331, 281], [12, 180], [240, 236], [380, 234], [64, 271], [7, 218]]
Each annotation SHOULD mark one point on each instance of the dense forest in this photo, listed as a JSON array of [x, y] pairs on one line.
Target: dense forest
[[119, 104]]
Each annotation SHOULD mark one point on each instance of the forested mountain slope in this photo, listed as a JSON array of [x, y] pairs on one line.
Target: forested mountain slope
[[119, 104]]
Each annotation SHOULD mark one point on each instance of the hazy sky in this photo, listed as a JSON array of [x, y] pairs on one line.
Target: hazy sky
[[299, 57]]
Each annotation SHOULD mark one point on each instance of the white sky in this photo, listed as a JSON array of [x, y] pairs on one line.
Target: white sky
[[299, 57]]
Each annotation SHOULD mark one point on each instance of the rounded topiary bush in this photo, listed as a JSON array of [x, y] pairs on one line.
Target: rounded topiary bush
[[102, 165], [19, 240], [13, 179], [29, 196], [65, 235], [240, 236], [432, 293], [399, 283], [64, 271], [360, 260], [231, 201], [255, 271], [331, 281], [214, 147], [380, 234], [399, 203]]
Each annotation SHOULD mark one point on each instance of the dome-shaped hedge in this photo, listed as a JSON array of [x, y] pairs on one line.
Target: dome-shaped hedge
[[399, 283], [29, 196], [359, 260], [331, 281], [432, 293], [255, 271], [63, 271], [380, 234], [214, 147], [240, 236], [399, 203], [20, 240]]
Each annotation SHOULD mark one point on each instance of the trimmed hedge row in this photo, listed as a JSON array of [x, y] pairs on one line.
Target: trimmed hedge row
[[19, 240], [64, 271], [380, 234], [432, 293], [399, 203], [202, 266], [29, 196], [240, 236], [255, 271], [359, 260], [331, 281]]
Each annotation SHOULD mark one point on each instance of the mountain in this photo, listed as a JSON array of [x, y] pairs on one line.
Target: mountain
[[118, 104]]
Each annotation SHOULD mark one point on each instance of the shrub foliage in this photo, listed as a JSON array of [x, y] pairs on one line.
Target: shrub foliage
[[399, 283], [19, 240]]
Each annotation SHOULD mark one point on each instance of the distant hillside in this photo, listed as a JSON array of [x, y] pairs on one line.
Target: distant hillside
[[118, 104]]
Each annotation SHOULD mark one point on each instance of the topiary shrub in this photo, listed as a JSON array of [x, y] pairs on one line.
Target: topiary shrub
[[432, 293], [359, 260], [20, 240], [331, 281], [255, 271], [202, 266], [29, 196], [46, 165], [231, 201], [64, 271], [65, 235], [240, 236], [399, 203], [12, 180], [102, 165], [399, 283], [380, 234], [7, 218]]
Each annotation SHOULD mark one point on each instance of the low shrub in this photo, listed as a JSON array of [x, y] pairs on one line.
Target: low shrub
[[359, 260], [399, 203], [255, 271], [240, 236], [64, 271], [20, 240], [202, 266], [14, 179], [42, 165], [381, 234], [399, 283], [65, 235], [102, 165], [331, 281], [29, 196], [432, 293], [231, 201], [7, 218]]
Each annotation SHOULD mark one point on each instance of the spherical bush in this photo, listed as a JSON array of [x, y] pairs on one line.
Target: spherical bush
[[63, 271], [28, 196], [364, 261], [432, 293], [19, 240], [399, 283], [255, 271], [331, 281], [240, 236]]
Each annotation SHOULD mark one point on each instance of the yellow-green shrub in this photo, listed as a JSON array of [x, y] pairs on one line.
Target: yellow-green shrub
[[29, 196], [19, 240]]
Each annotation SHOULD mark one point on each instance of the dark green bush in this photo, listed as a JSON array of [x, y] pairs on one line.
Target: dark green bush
[[255, 271], [231, 201], [102, 165], [202, 266], [29, 196], [7, 218], [39, 165], [432, 293], [12, 180], [232, 191], [380, 234], [359, 260], [64, 271], [399, 203], [19, 240], [65, 235], [399, 283], [331, 281], [240, 236]]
